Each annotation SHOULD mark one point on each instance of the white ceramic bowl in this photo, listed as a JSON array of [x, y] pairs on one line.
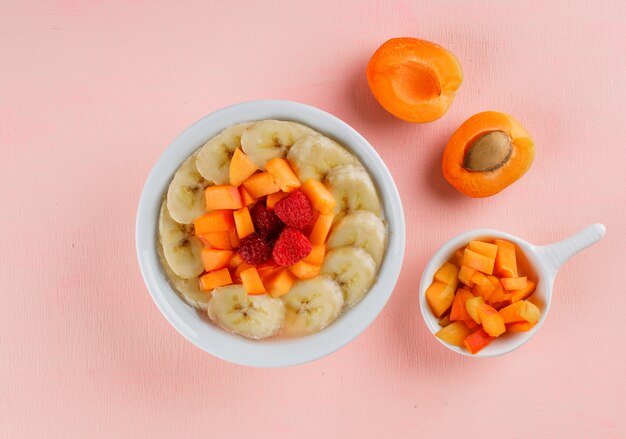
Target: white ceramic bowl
[[543, 261], [268, 353]]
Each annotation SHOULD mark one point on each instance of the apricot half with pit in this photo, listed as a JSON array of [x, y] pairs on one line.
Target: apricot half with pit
[[415, 80], [487, 153]]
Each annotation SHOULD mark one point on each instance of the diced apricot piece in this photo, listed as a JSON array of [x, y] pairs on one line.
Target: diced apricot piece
[[492, 322], [471, 324], [316, 256], [472, 305], [216, 221], [455, 333], [524, 293], [465, 275], [483, 248], [485, 291], [279, 283], [215, 279], [485, 310], [234, 238], [222, 196], [241, 267], [521, 311], [252, 281], [274, 198], [235, 261], [514, 283], [246, 198], [267, 269], [477, 341], [457, 258], [498, 294], [448, 274], [445, 320], [319, 196], [304, 270], [439, 296], [478, 262], [285, 178], [321, 228], [506, 262], [219, 240], [243, 222], [459, 310], [214, 259], [520, 326], [260, 184], [241, 167], [494, 325], [480, 279]]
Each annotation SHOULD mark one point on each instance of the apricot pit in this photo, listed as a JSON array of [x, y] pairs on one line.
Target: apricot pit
[[489, 152]]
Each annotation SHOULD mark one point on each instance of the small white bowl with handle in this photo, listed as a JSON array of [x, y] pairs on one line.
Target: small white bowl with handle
[[543, 261]]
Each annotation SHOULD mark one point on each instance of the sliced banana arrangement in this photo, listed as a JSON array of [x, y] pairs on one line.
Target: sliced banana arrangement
[[185, 196], [353, 189], [353, 269], [311, 305], [307, 303], [363, 229], [189, 289], [180, 247], [233, 309], [315, 156], [268, 139], [213, 160]]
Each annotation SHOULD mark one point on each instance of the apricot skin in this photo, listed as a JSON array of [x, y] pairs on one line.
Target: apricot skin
[[415, 80]]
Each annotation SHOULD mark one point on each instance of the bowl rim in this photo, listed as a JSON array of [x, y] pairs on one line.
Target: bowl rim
[[545, 283], [280, 352]]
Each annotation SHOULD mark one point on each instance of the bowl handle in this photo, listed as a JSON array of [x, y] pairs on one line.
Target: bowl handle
[[555, 255]]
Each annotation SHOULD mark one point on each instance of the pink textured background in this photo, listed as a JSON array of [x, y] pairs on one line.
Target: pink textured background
[[92, 92]]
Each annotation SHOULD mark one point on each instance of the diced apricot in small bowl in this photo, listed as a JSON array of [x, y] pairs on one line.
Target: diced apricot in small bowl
[[486, 154], [482, 295], [415, 80]]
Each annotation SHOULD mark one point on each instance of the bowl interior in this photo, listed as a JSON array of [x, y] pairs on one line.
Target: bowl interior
[[528, 261], [280, 352]]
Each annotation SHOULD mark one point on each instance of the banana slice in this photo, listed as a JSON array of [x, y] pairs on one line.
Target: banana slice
[[188, 289], [315, 156], [250, 316], [363, 229], [213, 161], [271, 138], [181, 248], [185, 196], [353, 189], [353, 269], [311, 305]]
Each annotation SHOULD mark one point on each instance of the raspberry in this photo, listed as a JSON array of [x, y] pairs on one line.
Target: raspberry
[[266, 223], [254, 249], [295, 210], [290, 247]]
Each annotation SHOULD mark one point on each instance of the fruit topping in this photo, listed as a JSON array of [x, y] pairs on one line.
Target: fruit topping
[[254, 249], [266, 223], [291, 247], [485, 306], [295, 210]]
